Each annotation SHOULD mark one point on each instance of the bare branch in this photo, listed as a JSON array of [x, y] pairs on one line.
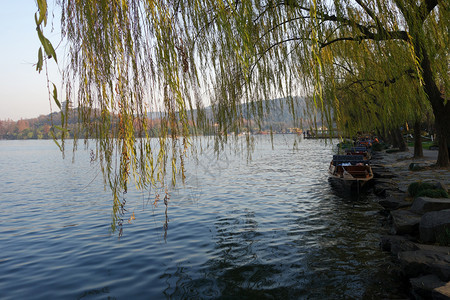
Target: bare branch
[[262, 54], [371, 14], [268, 7], [389, 35], [281, 24], [323, 45], [384, 83], [344, 67]]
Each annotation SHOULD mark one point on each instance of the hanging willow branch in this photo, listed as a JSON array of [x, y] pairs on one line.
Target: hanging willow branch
[[140, 73]]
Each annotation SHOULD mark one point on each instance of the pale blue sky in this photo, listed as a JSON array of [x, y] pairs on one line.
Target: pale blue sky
[[23, 92]]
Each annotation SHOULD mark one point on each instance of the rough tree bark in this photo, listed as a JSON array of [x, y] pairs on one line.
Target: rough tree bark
[[400, 140], [441, 108], [441, 111], [418, 150], [442, 124], [392, 138]]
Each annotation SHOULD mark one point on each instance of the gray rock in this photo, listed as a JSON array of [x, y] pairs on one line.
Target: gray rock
[[405, 222], [441, 185], [403, 186], [384, 181], [422, 262], [382, 173], [397, 243], [397, 194], [380, 191], [416, 166], [391, 203], [433, 224], [434, 248], [422, 205], [383, 187], [442, 292], [423, 286]]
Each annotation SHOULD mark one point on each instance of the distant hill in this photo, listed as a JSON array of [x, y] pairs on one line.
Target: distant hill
[[275, 111], [277, 116], [281, 111]]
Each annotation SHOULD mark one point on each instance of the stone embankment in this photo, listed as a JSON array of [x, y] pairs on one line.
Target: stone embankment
[[419, 227]]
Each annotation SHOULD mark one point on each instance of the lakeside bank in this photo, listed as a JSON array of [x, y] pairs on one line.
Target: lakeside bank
[[420, 260]]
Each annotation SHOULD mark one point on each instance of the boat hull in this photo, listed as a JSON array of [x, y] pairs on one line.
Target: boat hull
[[352, 177]]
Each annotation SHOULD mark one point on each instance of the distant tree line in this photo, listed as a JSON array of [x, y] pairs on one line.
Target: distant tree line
[[277, 120], [41, 128], [36, 128], [49, 127]]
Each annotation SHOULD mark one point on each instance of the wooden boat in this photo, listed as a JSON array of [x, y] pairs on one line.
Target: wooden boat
[[359, 150], [351, 170]]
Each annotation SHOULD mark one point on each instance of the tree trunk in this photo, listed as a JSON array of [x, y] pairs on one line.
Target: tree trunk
[[401, 141], [418, 150], [441, 113], [441, 110], [393, 139], [441, 107], [442, 123], [382, 135]]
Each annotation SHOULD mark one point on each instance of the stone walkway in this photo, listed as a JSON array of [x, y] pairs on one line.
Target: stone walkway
[[398, 163]]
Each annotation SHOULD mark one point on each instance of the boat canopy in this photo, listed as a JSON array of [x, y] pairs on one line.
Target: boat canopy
[[352, 159]]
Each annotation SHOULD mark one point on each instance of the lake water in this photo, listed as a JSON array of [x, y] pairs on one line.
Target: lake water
[[272, 227]]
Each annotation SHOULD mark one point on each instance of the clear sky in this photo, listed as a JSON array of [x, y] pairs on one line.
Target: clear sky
[[23, 91]]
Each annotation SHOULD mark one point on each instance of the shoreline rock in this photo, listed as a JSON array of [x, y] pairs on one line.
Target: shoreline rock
[[433, 224], [422, 205], [405, 222], [425, 285], [415, 224]]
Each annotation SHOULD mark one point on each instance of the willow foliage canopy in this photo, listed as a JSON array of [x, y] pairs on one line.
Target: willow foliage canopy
[[366, 65]]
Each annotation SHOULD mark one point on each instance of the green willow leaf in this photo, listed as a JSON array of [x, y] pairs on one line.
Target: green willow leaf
[[48, 47], [40, 60], [42, 5], [55, 96], [55, 140]]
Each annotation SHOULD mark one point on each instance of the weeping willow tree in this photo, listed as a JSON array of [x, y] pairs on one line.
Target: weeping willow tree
[[390, 65], [372, 92], [125, 59]]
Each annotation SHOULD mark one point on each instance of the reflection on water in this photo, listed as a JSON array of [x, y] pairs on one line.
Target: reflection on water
[[270, 228]]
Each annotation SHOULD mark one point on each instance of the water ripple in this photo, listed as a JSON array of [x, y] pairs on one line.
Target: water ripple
[[269, 228]]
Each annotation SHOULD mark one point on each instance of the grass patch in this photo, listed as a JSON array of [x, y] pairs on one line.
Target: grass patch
[[426, 189], [425, 145], [433, 193]]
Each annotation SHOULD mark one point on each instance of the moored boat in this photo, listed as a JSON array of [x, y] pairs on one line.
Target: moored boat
[[351, 170], [359, 150]]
